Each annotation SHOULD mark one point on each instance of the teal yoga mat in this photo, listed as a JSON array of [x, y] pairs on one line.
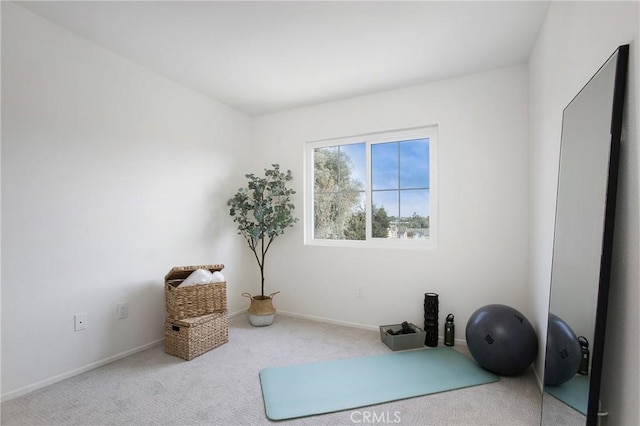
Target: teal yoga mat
[[574, 393], [324, 387]]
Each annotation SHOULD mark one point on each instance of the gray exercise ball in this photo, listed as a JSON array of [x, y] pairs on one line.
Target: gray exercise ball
[[563, 353], [501, 339]]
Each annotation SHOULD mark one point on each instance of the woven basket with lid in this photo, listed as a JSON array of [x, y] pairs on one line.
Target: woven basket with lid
[[196, 300]]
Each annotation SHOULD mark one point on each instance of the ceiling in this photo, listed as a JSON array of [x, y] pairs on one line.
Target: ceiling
[[262, 57]]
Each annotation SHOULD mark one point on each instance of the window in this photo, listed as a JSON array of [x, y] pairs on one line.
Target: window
[[372, 190]]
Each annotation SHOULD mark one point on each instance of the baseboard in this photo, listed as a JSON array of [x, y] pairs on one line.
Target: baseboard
[[236, 313], [328, 320], [60, 377], [43, 383], [461, 342], [538, 378]]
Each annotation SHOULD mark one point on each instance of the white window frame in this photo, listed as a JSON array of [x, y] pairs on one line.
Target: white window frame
[[430, 132]]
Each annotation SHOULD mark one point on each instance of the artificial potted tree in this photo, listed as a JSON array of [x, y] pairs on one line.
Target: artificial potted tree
[[263, 211]]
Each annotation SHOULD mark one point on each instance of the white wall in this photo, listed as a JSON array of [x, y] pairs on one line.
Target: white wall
[[111, 175], [482, 254], [576, 39]]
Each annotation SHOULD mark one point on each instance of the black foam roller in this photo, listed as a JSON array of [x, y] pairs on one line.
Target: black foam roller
[[431, 319]]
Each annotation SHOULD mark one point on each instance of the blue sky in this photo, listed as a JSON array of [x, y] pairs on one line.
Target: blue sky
[[413, 156]]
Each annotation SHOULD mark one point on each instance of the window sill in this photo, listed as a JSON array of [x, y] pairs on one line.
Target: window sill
[[377, 244]]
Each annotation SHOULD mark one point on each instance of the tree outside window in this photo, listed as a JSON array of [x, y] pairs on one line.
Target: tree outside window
[[374, 189]]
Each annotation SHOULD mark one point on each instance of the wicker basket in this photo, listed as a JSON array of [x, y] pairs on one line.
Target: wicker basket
[[191, 337], [196, 300]]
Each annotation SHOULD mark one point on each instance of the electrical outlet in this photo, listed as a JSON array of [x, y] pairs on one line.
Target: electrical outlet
[[80, 322], [360, 293], [123, 310]]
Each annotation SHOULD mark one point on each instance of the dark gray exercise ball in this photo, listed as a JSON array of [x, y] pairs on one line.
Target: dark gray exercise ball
[[563, 352], [501, 339]]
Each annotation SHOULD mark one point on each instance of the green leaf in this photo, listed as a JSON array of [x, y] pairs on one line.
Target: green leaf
[[262, 209]]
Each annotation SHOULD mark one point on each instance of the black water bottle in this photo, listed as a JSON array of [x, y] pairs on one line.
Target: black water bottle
[[449, 331], [584, 359]]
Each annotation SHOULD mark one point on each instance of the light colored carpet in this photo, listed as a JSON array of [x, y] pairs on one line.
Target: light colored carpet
[[557, 413], [574, 393], [222, 387]]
